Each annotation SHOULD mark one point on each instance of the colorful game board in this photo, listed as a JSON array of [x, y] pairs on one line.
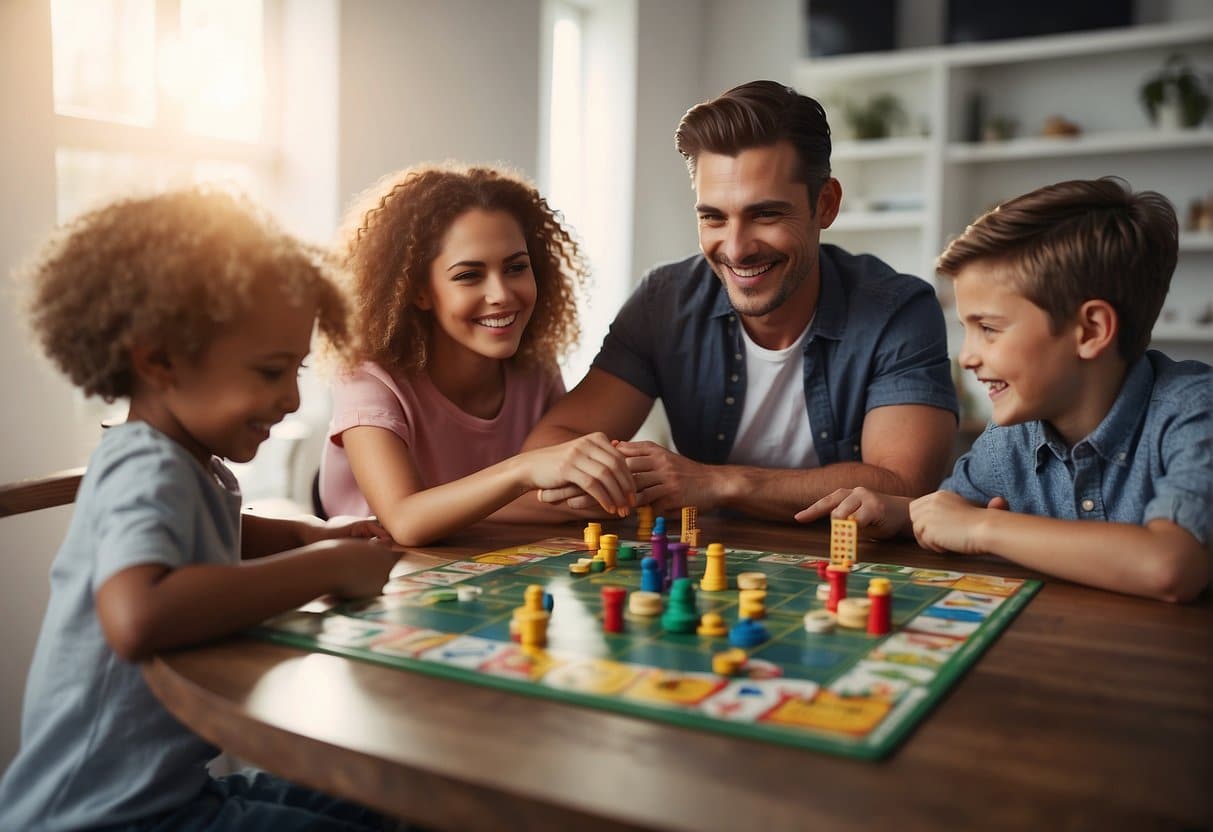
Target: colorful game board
[[844, 692]]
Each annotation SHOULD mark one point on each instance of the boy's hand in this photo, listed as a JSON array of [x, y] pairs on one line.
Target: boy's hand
[[946, 522], [362, 568], [341, 527], [878, 515]]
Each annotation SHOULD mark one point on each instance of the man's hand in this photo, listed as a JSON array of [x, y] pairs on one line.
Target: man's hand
[[667, 481], [878, 515]]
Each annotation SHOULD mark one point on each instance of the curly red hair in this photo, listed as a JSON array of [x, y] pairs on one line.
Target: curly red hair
[[395, 230]]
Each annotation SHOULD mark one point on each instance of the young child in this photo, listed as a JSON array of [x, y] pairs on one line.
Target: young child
[[200, 312], [1058, 291], [462, 279]]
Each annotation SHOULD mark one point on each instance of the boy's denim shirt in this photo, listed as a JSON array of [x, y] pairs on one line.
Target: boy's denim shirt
[[1151, 456], [878, 338]]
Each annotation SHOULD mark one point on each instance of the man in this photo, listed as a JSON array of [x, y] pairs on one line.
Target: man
[[787, 368]]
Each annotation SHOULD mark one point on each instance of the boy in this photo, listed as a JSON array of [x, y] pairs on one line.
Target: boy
[[196, 309], [1058, 291]]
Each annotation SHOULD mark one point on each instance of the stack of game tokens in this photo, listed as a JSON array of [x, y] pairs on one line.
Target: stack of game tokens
[[853, 613], [752, 580], [819, 621], [645, 604]]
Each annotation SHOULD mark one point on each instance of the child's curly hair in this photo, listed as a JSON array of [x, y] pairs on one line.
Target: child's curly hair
[[168, 271], [394, 231]]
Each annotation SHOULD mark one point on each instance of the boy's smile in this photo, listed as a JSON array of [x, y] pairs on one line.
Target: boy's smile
[[1029, 371], [224, 402]]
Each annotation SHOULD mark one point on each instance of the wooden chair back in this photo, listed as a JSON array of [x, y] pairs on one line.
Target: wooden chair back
[[57, 489]]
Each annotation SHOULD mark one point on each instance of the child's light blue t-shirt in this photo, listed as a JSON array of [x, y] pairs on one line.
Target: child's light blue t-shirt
[[97, 747], [1150, 457]]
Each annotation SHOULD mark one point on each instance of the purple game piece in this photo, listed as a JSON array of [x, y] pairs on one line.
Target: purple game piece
[[678, 561]]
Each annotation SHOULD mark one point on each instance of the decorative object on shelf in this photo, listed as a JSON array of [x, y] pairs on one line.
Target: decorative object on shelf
[[999, 129], [1060, 126], [878, 118], [1200, 214], [1176, 96]]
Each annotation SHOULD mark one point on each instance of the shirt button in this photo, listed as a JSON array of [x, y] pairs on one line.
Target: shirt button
[[736, 356], [825, 434], [720, 437], [1087, 505], [734, 377], [1121, 456], [728, 399], [855, 448]]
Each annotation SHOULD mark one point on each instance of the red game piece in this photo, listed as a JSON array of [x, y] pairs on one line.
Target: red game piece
[[612, 608], [880, 616], [837, 576], [822, 566]]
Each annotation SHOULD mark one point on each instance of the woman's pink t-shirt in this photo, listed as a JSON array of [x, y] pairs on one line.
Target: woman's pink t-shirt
[[446, 443]]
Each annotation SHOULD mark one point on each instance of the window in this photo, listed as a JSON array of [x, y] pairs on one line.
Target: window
[[587, 154], [152, 94]]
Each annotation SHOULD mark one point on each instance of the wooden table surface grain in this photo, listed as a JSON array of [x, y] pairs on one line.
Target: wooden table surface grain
[[1091, 711]]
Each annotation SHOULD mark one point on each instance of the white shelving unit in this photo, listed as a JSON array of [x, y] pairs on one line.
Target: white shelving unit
[[940, 180]]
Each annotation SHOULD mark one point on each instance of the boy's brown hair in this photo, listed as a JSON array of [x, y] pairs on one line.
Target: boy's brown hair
[[168, 271], [759, 114], [1080, 240], [395, 230]]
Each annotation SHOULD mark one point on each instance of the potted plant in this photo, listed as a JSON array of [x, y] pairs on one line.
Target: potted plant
[[875, 119], [1176, 96]]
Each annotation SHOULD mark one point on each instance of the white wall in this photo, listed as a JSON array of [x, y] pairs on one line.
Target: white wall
[[424, 81], [37, 420]]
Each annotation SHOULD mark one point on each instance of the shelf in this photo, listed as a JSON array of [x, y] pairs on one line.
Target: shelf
[[994, 53], [877, 220], [1090, 144], [1183, 333], [1196, 240], [874, 149]]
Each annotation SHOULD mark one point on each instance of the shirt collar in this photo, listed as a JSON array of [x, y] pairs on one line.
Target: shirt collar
[[1113, 436]]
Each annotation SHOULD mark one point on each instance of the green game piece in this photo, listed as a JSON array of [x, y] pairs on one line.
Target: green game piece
[[597, 565], [626, 553], [681, 616], [434, 596]]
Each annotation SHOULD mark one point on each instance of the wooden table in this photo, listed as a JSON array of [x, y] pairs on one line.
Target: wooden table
[[1092, 711]]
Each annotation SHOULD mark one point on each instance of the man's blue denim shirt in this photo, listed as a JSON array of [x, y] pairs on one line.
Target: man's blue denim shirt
[[878, 338], [1151, 456]]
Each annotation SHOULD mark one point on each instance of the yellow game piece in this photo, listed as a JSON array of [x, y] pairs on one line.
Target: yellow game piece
[[593, 531], [730, 662], [712, 624], [532, 627], [752, 580], [843, 537], [579, 568], [714, 577], [609, 549], [533, 598], [752, 603], [689, 524]]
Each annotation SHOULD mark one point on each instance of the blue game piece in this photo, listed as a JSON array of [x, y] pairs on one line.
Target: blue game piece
[[748, 632], [548, 601], [659, 526], [650, 575]]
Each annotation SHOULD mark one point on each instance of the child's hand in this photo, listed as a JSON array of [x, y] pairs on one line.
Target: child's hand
[[946, 522], [343, 526], [362, 568], [589, 464], [879, 515]]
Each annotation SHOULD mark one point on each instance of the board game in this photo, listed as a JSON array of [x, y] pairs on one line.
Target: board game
[[844, 692]]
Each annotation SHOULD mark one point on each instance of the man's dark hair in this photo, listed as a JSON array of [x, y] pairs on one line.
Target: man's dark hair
[[759, 114]]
